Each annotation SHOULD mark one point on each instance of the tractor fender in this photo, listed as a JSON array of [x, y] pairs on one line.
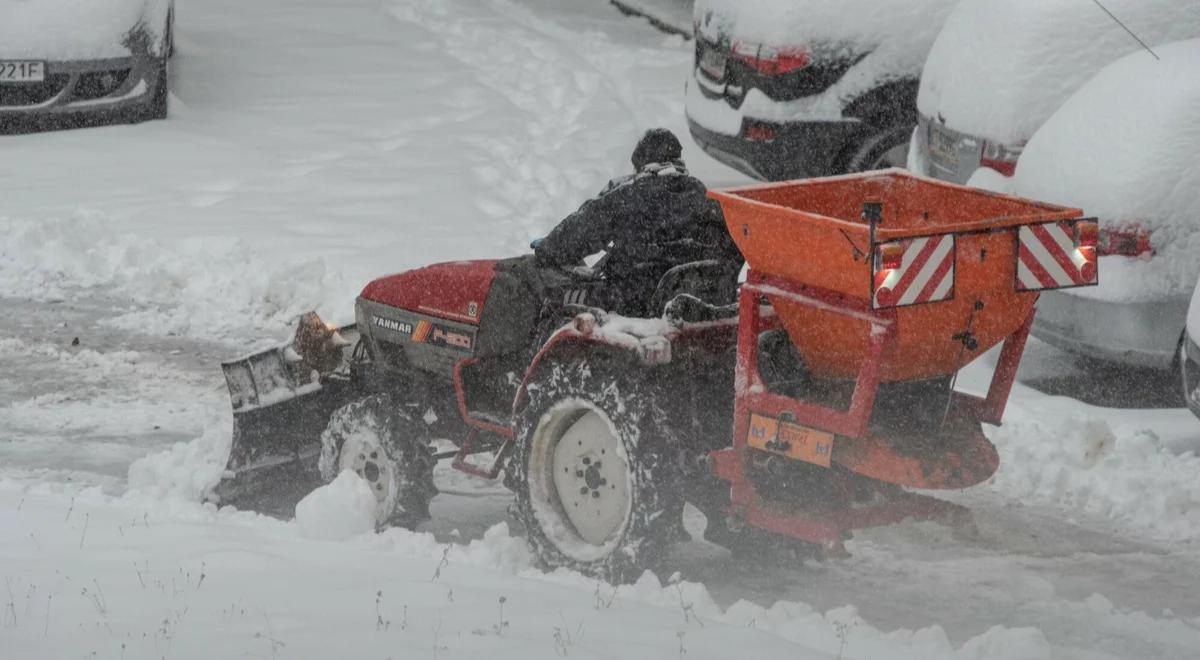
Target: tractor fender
[[582, 336]]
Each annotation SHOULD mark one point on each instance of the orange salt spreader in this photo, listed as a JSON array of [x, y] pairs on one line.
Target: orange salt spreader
[[886, 284]]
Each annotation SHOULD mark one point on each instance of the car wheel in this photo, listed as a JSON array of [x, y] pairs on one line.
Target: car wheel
[[882, 150], [160, 100]]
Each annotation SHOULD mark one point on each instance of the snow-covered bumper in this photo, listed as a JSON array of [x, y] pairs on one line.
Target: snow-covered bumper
[[768, 149], [1139, 333], [110, 86], [943, 153]]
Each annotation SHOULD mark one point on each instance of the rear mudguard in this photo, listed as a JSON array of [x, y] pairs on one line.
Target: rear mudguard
[[587, 334], [280, 409]]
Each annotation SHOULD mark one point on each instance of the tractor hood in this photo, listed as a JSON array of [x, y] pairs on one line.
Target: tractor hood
[[66, 30], [455, 291]]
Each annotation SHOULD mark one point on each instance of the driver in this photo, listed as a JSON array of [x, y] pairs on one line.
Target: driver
[[646, 222]]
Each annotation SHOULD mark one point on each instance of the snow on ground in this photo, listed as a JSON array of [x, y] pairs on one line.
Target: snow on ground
[[131, 578], [1136, 465], [668, 15], [312, 147]]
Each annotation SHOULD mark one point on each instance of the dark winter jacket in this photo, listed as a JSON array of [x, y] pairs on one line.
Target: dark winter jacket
[[646, 222]]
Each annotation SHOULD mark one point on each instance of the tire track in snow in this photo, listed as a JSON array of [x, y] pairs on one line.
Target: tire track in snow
[[573, 106]]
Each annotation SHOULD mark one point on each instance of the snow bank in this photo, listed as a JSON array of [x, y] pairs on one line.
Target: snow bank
[[998, 70], [1123, 148], [187, 470], [213, 288], [143, 577], [338, 510], [76, 29], [1083, 463]]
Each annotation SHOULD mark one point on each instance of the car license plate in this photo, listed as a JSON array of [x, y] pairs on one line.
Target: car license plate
[[943, 148], [712, 62], [792, 440], [22, 71]]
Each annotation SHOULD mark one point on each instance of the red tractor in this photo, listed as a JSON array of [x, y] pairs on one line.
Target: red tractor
[[801, 412]]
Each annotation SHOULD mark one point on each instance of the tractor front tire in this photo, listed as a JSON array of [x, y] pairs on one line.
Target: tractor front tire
[[595, 472], [377, 438]]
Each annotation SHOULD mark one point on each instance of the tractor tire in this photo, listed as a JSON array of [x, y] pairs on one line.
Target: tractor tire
[[380, 441], [596, 476]]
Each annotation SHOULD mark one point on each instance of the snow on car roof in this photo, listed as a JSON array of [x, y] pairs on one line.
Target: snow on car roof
[[74, 29], [999, 69], [1124, 148], [903, 29]]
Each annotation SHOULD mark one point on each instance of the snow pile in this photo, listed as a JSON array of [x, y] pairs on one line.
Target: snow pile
[[338, 510], [998, 70], [1143, 171], [76, 29], [187, 470], [199, 287], [1083, 463], [894, 36], [143, 577]]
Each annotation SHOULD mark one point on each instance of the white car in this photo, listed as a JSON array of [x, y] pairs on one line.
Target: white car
[[1124, 148], [1189, 355], [69, 59], [999, 69]]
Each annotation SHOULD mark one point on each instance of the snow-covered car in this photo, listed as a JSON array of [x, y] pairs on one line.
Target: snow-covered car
[[785, 89], [1189, 355], [998, 70], [67, 58], [1123, 148]]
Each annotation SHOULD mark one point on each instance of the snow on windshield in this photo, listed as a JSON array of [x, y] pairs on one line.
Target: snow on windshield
[[1124, 149], [74, 29], [999, 69]]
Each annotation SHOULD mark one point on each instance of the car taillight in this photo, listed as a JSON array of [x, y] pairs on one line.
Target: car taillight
[[1000, 157], [1125, 242], [759, 132], [771, 61]]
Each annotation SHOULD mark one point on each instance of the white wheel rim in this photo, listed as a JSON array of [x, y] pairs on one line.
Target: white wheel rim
[[579, 480], [362, 454]]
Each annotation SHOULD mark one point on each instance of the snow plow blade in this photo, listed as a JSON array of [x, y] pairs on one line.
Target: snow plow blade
[[282, 398]]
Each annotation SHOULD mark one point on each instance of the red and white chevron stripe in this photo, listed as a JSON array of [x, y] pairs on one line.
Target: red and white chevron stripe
[[1048, 258], [925, 273]]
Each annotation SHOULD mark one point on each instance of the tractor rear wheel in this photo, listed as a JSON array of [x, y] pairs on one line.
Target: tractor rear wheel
[[596, 475], [380, 441]]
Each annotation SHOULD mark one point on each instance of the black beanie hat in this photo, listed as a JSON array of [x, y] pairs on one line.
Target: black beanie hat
[[658, 145]]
